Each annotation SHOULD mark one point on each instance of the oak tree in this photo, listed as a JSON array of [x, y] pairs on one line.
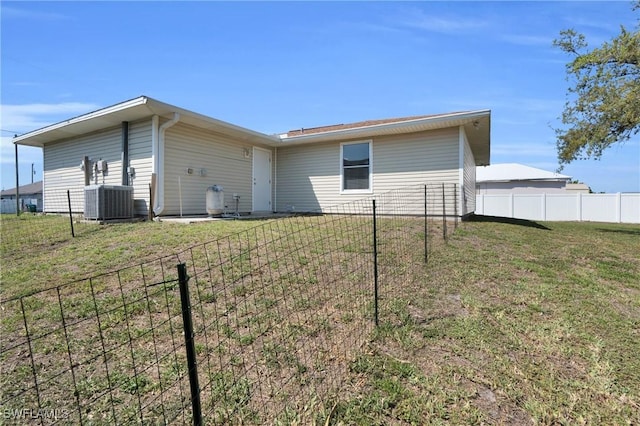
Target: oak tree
[[603, 105]]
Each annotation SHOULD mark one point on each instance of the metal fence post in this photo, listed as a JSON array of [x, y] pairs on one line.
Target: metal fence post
[[375, 264], [455, 206], [444, 215], [426, 229], [185, 302], [73, 234]]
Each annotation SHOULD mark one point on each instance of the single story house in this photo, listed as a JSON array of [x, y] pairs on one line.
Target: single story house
[[513, 178], [171, 156], [30, 194]]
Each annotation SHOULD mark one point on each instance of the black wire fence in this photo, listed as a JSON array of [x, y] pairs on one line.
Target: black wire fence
[[258, 327], [63, 220]]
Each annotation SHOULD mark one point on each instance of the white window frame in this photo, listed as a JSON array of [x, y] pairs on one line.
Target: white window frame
[[356, 191]]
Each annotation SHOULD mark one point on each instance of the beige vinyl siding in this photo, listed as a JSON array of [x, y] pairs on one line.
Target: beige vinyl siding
[[62, 167], [222, 160], [469, 177], [415, 159], [140, 158], [309, 175]]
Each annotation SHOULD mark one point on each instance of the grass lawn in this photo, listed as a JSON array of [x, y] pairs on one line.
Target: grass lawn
[[38, 251], [511, 322]]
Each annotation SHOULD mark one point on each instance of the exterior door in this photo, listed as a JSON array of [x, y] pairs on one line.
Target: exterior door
[[261, 180]]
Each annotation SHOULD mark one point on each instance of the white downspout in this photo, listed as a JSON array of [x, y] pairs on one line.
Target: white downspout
[[461, 204], [275, 181], [158, 159], [154, 159]]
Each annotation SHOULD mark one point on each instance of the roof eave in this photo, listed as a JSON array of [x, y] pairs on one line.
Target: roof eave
[[34, 138], [479, 139], [206, 122], [131, 110], [505, 180], [440, 121]]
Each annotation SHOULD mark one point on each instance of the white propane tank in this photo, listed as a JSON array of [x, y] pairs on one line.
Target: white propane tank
[[215, 200]]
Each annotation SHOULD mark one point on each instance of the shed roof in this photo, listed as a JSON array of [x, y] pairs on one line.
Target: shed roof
[[515, 172]]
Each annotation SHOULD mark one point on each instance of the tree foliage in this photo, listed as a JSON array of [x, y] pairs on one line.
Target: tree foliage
[[603, 106]]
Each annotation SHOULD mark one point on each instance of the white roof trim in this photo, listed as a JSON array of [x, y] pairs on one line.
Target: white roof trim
[[91, 115], [476, 124], [434, 122], [131, 110]]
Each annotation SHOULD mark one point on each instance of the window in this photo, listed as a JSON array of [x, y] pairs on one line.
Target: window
[[355, 167]]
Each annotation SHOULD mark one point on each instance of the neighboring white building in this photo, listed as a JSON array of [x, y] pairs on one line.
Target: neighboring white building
[[170, 156], [522, 192], [513, 178], [578, 187]]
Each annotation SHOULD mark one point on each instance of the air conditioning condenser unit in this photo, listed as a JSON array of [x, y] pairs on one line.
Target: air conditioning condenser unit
[[104, 202]]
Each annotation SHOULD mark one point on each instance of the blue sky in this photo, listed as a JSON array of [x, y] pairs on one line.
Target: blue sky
[[276, 66]]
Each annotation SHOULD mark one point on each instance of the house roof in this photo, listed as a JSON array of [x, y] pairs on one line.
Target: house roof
[[515, 172], [476, 123], [367, 123], [32, 188], [132, 110]]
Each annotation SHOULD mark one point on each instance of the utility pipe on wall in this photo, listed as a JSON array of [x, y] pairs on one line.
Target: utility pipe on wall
[[125, 153], [86, 167]]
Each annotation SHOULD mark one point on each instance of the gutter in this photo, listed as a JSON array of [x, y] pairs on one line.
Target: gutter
[[157, 142]]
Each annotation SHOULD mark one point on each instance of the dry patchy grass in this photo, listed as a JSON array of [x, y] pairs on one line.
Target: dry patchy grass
[[280, 309], [511, 323]]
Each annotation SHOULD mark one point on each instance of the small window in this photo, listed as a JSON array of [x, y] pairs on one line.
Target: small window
[[355, 167]]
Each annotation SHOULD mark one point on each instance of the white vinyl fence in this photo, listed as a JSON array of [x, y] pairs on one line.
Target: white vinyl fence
[[8, 206], [617, 208]]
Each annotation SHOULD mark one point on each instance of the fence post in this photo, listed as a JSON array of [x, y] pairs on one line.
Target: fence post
[[375, 264], [73, 234], [444, 215], [455, 206], [426, 229], [185, 302], [512, 208]]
